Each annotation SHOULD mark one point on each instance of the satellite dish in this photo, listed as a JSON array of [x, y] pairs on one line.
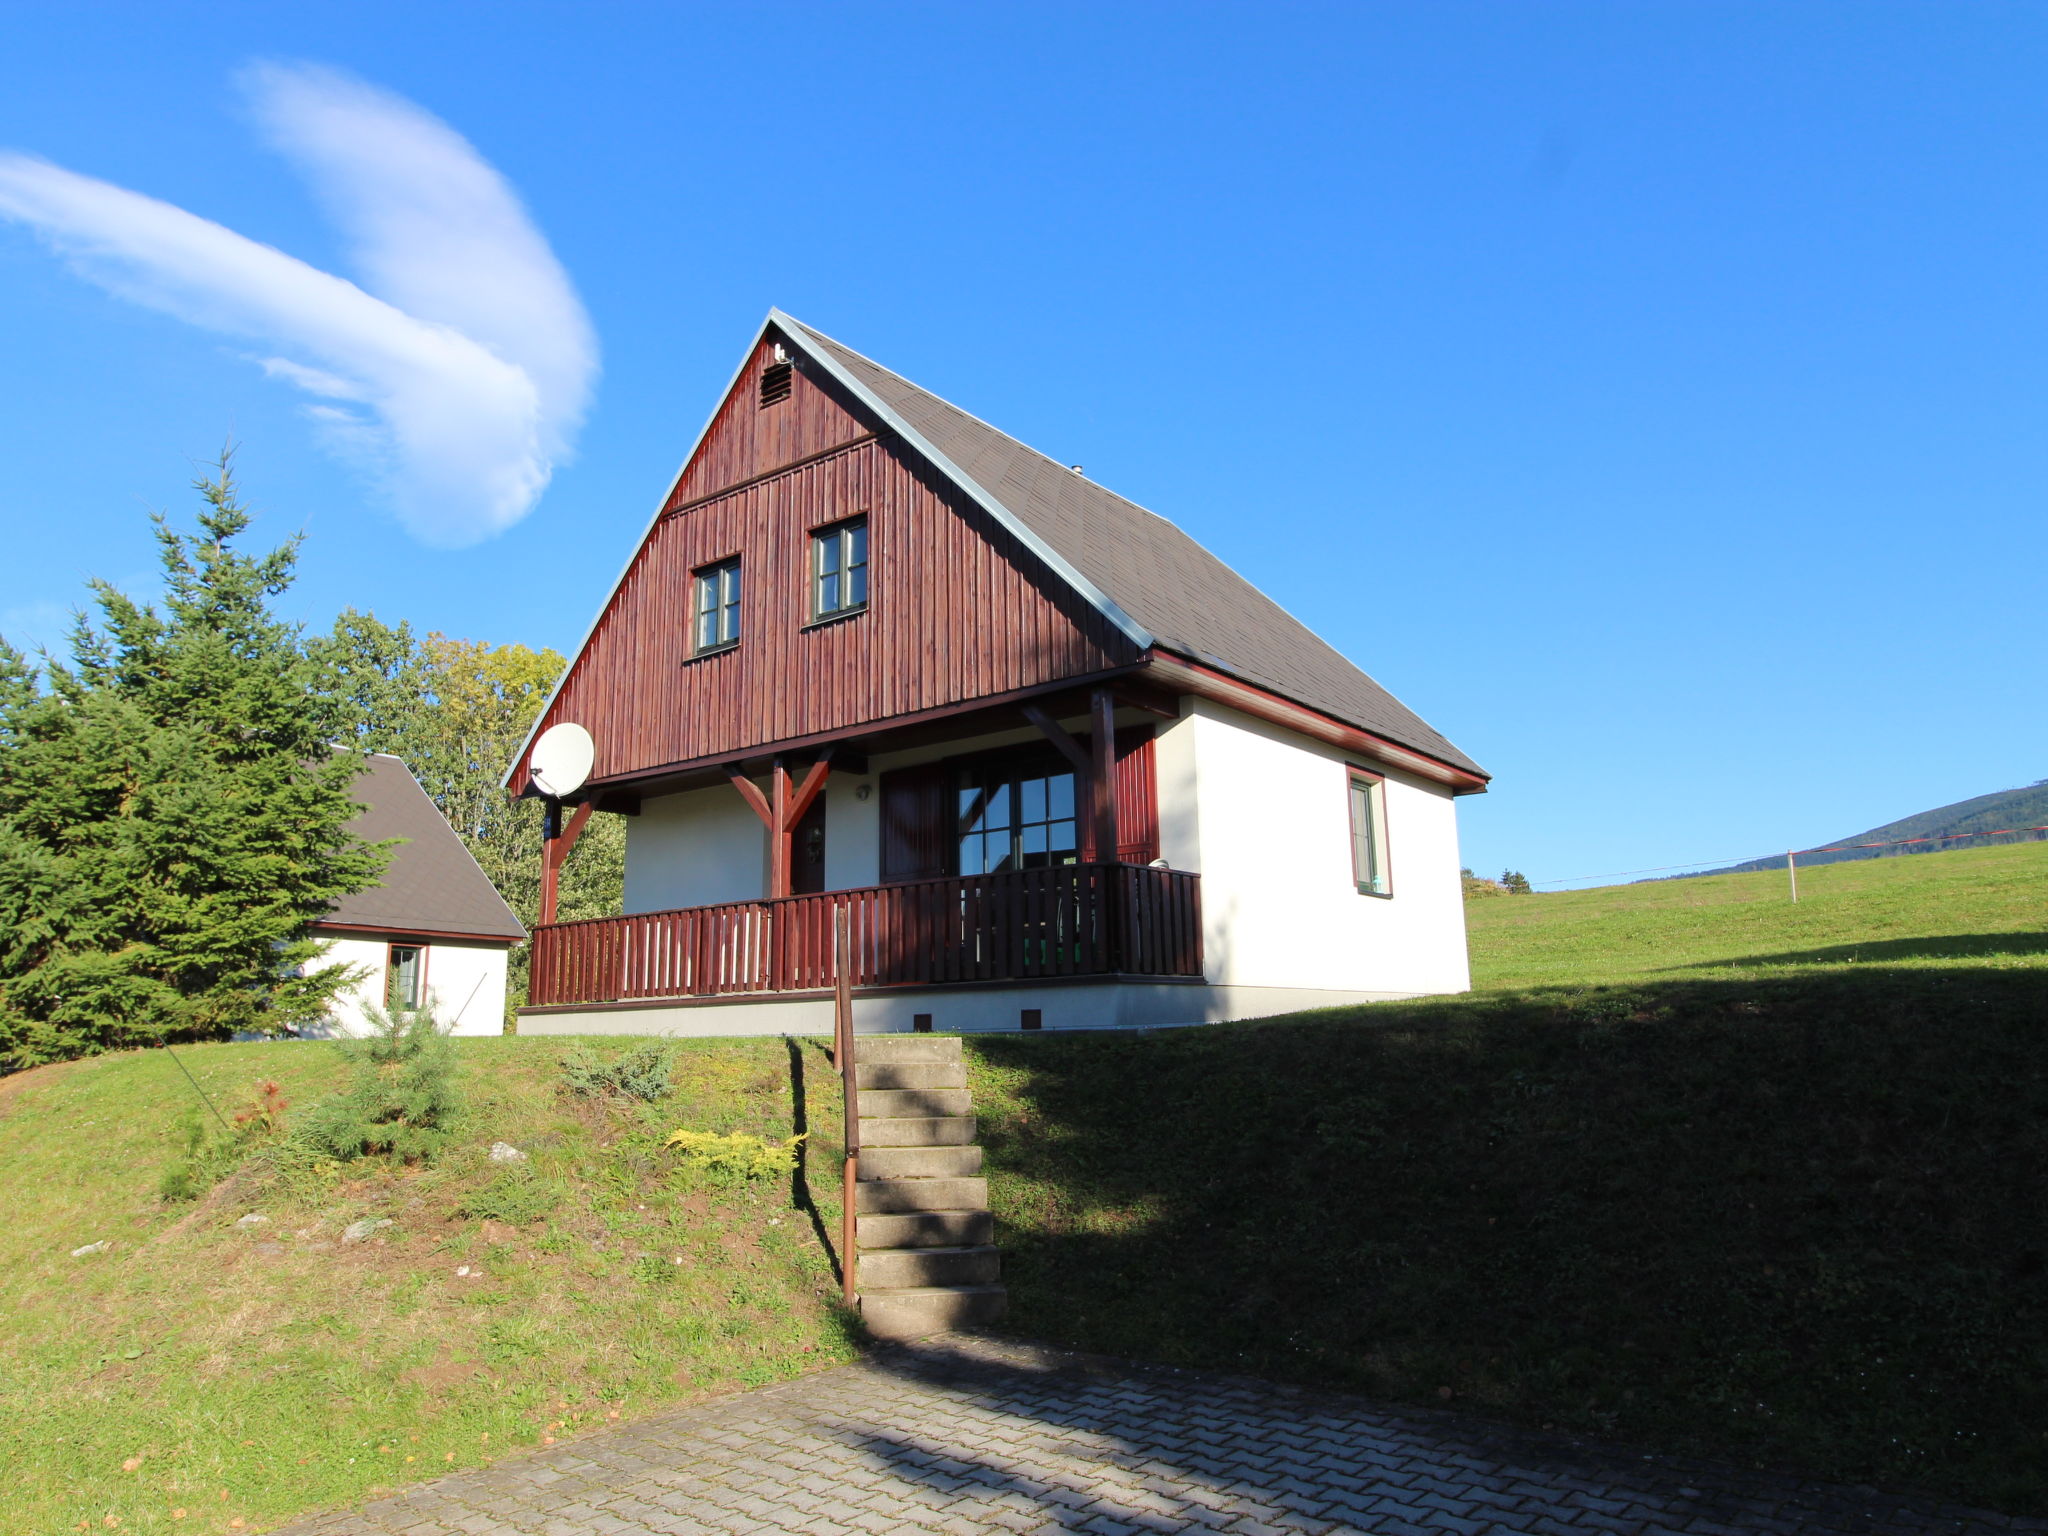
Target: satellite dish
[[561, 760]]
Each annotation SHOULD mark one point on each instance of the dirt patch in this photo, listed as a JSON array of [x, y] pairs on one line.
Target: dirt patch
[[444, 1374]]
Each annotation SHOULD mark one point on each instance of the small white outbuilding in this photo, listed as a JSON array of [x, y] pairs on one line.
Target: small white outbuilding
[[434, 932]]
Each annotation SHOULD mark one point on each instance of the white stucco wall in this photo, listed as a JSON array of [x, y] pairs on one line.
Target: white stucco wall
[[465, 983], [695, 849], [1263, 815]]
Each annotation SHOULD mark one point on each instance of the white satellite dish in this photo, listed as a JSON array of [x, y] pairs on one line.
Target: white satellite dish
[[561, 759]]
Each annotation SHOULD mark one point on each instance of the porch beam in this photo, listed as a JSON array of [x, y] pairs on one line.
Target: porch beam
[[556, 844], [809, 789], [1102, 782], [1060, 737], [751, 793]]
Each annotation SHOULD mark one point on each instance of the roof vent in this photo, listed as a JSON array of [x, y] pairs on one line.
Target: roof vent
[[1075, 468], [777, 382]]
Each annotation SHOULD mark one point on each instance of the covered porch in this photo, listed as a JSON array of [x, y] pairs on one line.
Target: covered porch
[[1070, 920]]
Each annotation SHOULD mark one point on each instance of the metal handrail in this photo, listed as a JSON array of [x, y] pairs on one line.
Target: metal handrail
[[849, 1096]]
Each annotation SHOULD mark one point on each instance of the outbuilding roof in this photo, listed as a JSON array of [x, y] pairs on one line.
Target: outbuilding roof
[[433, 886], [1163, 587]]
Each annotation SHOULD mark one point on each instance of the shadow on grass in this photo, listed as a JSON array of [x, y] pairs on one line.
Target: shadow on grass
[[1948, 946], [1792, 1219]]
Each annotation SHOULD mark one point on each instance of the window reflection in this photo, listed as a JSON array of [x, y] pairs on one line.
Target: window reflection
[[1012, 819]]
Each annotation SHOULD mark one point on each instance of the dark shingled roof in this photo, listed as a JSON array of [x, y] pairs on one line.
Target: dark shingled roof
[[432, 884], [1190, 601]]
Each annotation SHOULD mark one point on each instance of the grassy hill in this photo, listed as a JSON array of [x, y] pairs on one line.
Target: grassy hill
[[1696, 1168], [1968, 909], [1972, 818], [242, 1374]]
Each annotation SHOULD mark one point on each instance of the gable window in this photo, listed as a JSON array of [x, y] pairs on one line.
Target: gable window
[[1015, 817], [717, 607], [839, 569], [1369, 833], [405, 969]]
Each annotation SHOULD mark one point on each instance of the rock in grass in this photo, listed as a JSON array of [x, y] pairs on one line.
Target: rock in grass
[[98, 1247], [253, 1219], [356, 1231], [505, 1152]]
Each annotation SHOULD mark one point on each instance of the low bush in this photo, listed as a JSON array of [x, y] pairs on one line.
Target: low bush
[[402, 1096], [210, 1150], [516, 1197], [645, 1072], [725, 1161]]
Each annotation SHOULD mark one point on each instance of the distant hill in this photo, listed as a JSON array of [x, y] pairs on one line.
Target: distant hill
[[1986, 813]]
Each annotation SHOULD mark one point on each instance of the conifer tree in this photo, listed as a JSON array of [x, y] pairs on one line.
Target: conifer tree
[[173, 812]]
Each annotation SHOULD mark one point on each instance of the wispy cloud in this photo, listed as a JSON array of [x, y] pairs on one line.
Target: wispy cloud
[[458, 371]]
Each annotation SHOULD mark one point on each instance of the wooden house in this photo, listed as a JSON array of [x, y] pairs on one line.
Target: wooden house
[[1061, 764]]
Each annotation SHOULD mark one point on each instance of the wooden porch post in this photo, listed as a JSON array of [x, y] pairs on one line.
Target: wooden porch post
[[781, 809], [556, 843], [1103, 708]]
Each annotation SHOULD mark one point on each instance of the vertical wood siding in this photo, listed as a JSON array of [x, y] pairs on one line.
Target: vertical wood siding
[[957, 610]]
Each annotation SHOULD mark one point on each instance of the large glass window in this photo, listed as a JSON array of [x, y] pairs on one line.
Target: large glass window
[[717, 605], [1369, 834], [1015, 819], [839, 569]]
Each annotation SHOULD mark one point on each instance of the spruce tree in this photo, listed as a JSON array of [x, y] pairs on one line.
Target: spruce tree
[[173, 812]]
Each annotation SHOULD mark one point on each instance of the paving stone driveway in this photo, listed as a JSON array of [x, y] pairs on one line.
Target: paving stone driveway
[[964, 1435]]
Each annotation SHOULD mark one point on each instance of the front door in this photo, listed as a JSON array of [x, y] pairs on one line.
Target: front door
[[807, 858]]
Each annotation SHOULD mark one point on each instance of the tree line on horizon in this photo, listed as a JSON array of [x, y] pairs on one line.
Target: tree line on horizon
[[177, 789]]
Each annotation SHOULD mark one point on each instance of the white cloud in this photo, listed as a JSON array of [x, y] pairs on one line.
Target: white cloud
[[470, 363]]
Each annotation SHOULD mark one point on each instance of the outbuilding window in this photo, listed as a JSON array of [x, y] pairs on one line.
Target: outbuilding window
[[1369, 833], [405, 973], [717, 607], [839, 569]]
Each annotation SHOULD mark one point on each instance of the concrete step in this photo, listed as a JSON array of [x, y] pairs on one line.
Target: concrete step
[[921, 1268], [922, 1103], [917, 1131], [912, 1314], [877, 1048], [880, 1196], [910, 1074], [924, 1229], [919, 1162]]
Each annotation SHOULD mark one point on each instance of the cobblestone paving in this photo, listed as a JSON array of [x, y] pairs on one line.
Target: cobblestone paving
[[959, 1435]]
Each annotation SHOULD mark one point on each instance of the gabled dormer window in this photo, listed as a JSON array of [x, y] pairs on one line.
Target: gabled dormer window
[[839, 569], [716, 604]]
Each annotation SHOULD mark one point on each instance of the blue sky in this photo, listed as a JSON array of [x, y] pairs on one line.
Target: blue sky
[[1650, 395]]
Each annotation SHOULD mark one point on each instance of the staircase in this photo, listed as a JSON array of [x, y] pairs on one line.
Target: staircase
[[926, 1262]]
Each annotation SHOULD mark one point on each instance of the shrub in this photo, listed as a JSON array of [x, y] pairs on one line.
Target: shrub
[[734, 1159], [210, 1153], [515, 1197], [641, 1072], [402, 1096]]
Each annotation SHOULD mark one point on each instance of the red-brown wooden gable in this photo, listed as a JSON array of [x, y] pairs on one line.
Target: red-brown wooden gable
[[958, 610]]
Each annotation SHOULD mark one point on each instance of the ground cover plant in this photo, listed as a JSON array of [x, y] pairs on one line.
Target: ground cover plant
[[246, 1373], [1764, 1183]]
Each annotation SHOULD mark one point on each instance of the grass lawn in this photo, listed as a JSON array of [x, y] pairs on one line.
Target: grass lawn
[[1695, 1168], [200, 1376]]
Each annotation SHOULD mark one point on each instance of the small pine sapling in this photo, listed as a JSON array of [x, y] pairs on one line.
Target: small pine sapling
[[402, 1096]]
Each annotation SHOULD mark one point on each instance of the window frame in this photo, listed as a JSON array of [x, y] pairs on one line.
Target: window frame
[[419, 976], [1010, 770], [711, 577], [1378, 878], [834, 536]]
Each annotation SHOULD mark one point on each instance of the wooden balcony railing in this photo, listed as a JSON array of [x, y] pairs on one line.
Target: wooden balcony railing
[[1073, 920]]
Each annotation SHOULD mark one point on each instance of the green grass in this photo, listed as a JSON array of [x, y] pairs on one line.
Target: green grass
[[245, 1376], [1696, 1169], [1967, 910]]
